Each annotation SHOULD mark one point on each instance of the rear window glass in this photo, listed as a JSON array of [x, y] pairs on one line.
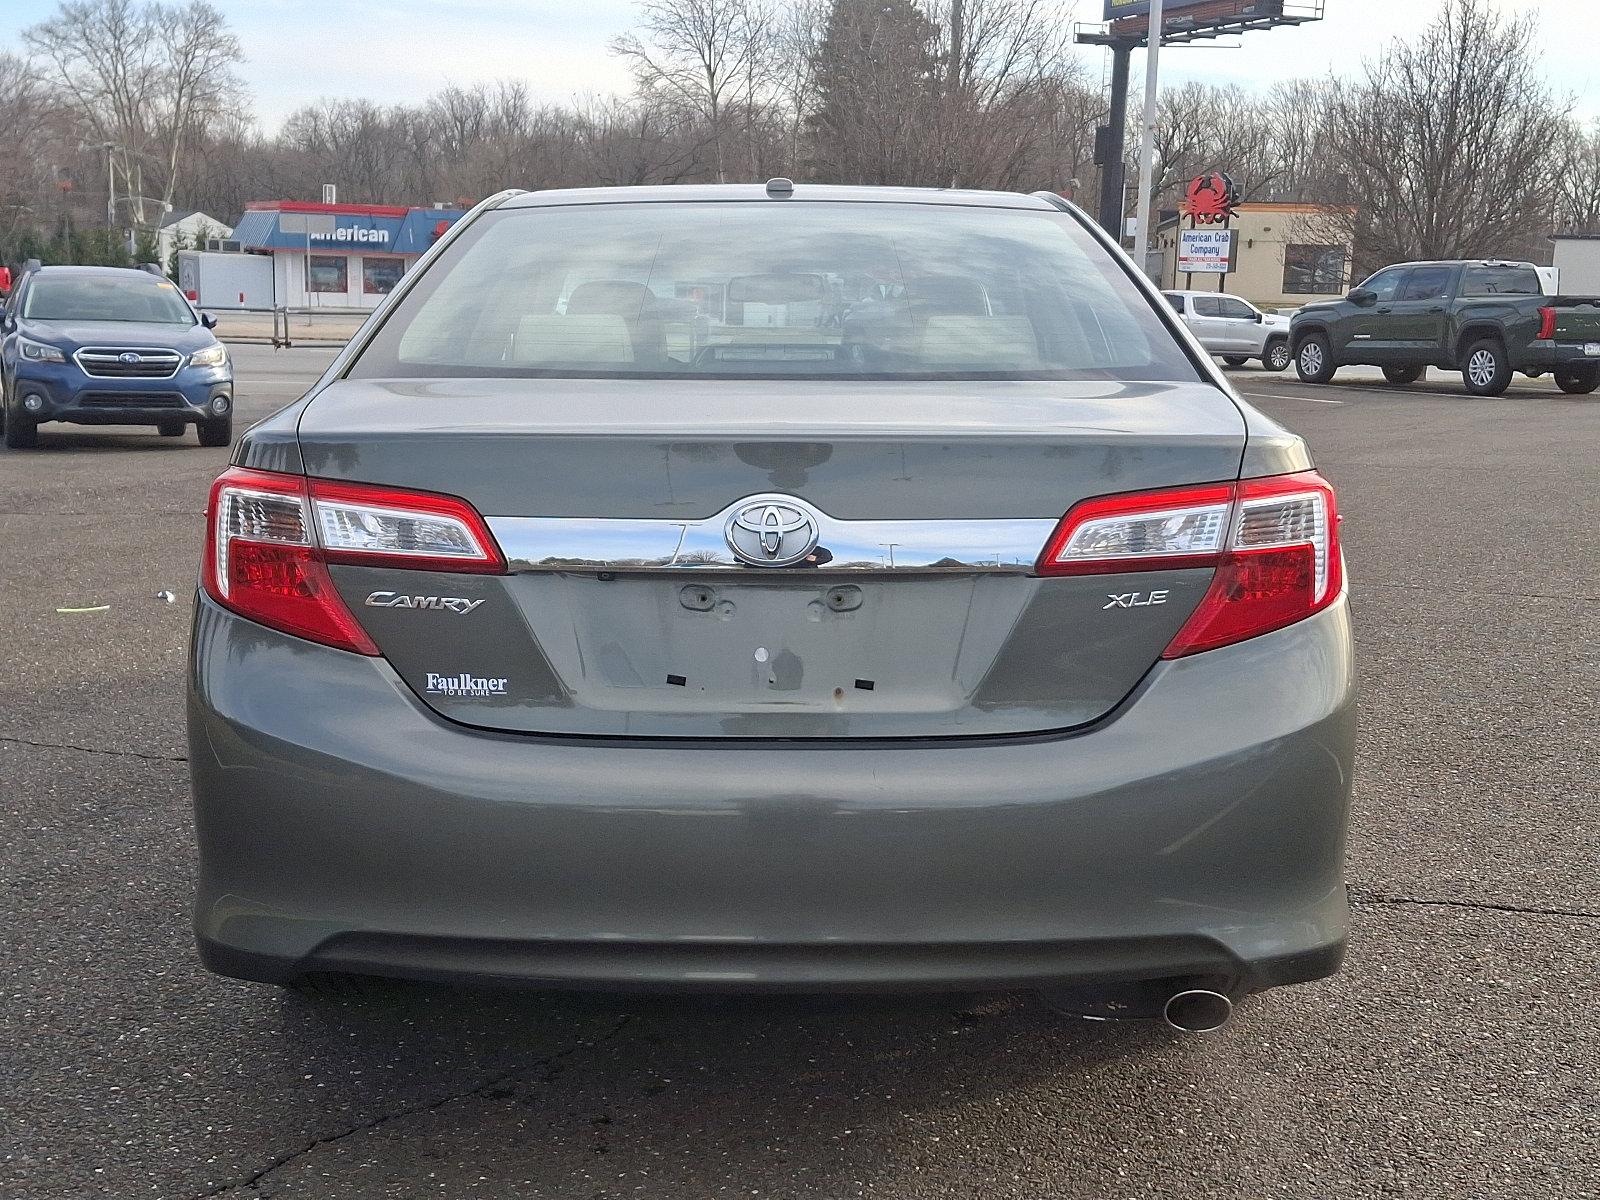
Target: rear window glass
[[775, 289], [136, 296], [1500, 281]]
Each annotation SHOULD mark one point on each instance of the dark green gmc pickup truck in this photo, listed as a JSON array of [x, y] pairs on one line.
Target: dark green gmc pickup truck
[[1483, 318]]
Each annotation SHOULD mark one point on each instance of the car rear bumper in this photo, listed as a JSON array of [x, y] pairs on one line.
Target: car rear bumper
[[1549, 355], [1196, 832]]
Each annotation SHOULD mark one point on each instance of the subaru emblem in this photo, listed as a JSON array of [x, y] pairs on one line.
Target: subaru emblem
[[129, 357], [772, 531]]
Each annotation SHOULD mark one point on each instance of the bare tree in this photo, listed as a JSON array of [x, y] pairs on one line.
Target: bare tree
[[793, 68], [197, 83], [634, 142], [24, 115], [144, 78], [1442, 147], [702, 54], [1004, 63], [1577, 179]]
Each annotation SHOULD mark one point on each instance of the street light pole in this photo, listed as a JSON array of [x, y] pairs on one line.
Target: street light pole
[[1147, 144], [111, 185], [111, 189]]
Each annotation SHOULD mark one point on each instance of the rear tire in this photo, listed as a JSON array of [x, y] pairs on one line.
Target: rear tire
[[1314, 360], [170, 428], [1484, 368], [215, 431], [21, 433], [1235, 360], [1401, 376], [1578, 381], [1277, 356]]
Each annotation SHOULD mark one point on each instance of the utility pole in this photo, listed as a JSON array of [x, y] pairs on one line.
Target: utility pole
[[1147, 144]]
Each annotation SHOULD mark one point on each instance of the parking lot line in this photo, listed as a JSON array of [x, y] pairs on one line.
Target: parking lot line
[[1279, 396]]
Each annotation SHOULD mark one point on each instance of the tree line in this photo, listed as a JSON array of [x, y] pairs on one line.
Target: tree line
[[1448, 145]]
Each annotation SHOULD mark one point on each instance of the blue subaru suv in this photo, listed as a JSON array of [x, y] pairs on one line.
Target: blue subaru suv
[[110, 346]]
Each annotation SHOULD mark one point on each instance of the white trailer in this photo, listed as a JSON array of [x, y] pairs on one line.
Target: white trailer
[[218, 281]]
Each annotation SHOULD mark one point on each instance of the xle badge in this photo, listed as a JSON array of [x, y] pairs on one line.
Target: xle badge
[[1135, 600]]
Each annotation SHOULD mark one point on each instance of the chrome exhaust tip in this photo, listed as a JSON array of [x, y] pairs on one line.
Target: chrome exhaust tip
[[1197, 1011]]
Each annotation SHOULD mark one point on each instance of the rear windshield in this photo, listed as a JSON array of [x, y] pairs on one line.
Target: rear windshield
[[775, 290], [1500, 281], [136, 297]]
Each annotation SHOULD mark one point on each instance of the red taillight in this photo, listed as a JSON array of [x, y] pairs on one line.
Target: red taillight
[[272, 535], [1274, 544], [1547, 324]]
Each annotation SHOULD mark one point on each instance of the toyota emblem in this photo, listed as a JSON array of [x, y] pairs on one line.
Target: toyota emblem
[[772, 531]]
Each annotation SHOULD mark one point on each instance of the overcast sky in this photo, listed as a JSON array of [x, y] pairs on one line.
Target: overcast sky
[[299, 51]]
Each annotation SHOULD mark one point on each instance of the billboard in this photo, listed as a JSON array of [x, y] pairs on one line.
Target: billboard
[[1117, 9], [1196, 14]]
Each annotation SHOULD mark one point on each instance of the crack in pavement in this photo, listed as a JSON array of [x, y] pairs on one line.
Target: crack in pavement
[[1423, 587], [184, 513], [253, 1182], [20, 741], [1359, 898]]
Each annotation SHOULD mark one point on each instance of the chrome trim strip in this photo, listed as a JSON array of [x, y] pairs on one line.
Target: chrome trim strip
[[106, 355], [1007, 546]]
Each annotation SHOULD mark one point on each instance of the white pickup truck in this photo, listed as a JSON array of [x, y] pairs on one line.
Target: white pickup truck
[[1234, 329]]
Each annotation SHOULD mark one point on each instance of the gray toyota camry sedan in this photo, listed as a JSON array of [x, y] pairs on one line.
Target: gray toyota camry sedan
[[784, 587]]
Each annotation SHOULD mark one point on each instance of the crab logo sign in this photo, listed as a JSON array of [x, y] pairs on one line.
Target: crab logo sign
[[1211, 198]]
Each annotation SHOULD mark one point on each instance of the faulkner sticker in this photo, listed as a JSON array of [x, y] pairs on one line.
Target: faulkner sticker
[[469, 687]]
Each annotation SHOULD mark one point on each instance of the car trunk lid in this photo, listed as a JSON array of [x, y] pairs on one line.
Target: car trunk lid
[[628, 610]]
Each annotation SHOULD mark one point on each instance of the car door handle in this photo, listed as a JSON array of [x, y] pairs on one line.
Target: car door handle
[[1437, 308], [1386, 309]]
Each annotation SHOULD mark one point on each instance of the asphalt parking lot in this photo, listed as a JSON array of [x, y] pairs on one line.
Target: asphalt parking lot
[[1456, 1056]]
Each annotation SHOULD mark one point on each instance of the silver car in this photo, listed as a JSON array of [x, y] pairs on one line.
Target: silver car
[[1234, 329], [784, 587]]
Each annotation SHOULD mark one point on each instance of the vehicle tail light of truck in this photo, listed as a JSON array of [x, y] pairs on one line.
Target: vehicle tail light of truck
[[1273, 544], [272, 536], [1547, 324]]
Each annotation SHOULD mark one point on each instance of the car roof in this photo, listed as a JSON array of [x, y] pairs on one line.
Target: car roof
[[803, 192], [1462, 262], [64, 269]]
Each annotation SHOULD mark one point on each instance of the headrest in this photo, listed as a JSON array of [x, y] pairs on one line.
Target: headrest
[[608, 297], [593, 341], [1006, 343]]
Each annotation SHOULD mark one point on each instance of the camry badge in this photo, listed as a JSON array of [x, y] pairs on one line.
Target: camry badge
[[772, 531], [455, 604]]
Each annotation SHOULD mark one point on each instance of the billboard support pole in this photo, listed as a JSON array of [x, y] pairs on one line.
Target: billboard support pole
[[1113, 195], [1188, 276], [1147, 144]]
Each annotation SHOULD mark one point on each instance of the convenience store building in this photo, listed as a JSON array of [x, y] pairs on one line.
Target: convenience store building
[[338, 255]]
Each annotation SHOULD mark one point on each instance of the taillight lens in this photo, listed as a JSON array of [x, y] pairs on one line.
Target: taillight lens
[[273, 535], [1547, 324], [1273, 543], [373, 526], [1141, 531], [1282, 564]]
